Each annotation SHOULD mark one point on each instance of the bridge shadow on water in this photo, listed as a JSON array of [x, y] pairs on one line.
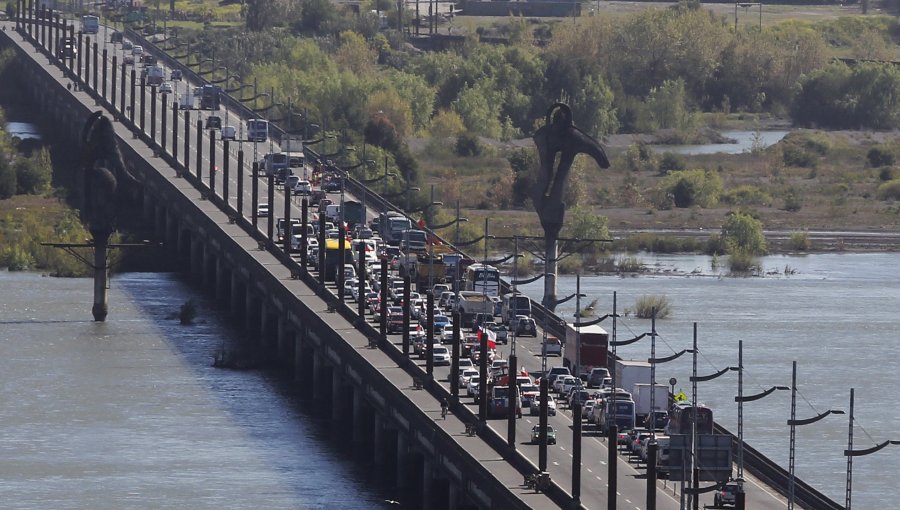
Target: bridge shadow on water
[[280, 420]]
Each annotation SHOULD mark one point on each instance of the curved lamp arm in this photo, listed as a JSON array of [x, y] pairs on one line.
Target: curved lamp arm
[[814, 419]]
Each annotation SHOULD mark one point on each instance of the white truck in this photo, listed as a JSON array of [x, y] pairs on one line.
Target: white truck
[[641, 396], [631, 372], [155, 76], [471, 303]]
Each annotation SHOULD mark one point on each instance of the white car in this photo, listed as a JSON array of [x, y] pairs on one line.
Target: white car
[[466, 363], [472, 387], [439, 355], [165, 87], [560, 381], [465, 375], [569, 384], [262, 210], [137, 50], [447, 335], [536, 406]]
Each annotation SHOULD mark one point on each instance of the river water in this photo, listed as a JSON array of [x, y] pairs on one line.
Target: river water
[[835, 314], [129, 414], [744, 141]]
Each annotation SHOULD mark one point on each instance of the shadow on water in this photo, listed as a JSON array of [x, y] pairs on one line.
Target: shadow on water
[[293, 433]]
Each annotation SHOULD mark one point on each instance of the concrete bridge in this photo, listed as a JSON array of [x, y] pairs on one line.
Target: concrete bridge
[[387, 403]]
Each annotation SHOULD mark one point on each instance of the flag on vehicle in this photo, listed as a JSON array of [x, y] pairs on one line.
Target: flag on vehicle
[[491, 337]]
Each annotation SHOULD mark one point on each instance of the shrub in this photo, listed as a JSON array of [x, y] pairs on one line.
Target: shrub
[[630, 265], [886, 173], [468, 144], [646, 305], [690, 188], [880, 156], [743, 234], [890, 190], [800, 241], [792, 202], [671, 162], [16, 258], [797, 156], [746, 195], [188, 312], [743, 262]]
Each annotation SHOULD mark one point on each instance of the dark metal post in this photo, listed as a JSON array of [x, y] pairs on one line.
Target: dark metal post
[[429, 335], [321, 262], [226, 159], [143, 104], [254, 198], [199, 150], [105, 71], [542, 424], [94, 54], [270, 224], [187, 141], [576, 454], [304, 222], [122, 89], [212, 163], [361, 281], [240, 185], [152, 116], [513, 403], [482, 386], [287, 231], [454, 360], [651, 475], [406, 292], [87, 63], [78, 56], [175, 131], [342, 241], [612, 445], [112, 84], [164, 110], [382, 310], [133, 96]]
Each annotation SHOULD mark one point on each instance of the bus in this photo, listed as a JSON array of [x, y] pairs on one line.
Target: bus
[[484, 279], [90, 24], [257, 130], [515, 304], [682, 415]]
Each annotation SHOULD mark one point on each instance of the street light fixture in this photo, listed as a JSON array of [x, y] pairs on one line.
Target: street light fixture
[[793, 423]]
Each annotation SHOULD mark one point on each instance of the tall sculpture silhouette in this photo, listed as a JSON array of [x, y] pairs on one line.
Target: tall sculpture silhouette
[[107, 187], [558, 136]]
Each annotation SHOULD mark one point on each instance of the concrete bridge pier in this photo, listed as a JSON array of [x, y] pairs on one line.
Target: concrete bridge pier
[[251, 311], [403, 462], [196, 265], [208, 268], [379, 453], [223, 280], [428, 485], [320, 383], [236, 304]]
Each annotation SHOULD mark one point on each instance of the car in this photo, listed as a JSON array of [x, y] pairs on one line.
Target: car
[[536, 406], [176, 75], [727, 495], [564, 384], [213, 122], [137, 50], [440, 321], [439, 355], [446, 334], [148, 59], [303, 188], [556, 372], [526, 327], [551, 346], [395, 319], [465, 363], [472, 387], [596, 377], [126, 44], [529, 393], [501, 331], [128, 60], [116, 37], [536, 434], [262, 210], [444, 297], [482, 319], [586, 408], [165, 87], [465, 375]]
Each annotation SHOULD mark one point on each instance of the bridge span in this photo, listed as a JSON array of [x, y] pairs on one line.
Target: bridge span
[[388, 402]]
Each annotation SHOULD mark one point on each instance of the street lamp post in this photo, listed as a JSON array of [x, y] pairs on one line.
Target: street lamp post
[[793, 423], [850, 453]]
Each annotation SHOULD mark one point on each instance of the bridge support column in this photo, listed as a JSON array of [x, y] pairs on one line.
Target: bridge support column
[[318, 382], [360, 417], [402, 460], [208, 268], [222, 284], [452, 495], [234, 304], [196, 268], [251, 309], [282, 344], [264, 330], [298, 357], [338, 406], [427, 483], [378, 441]]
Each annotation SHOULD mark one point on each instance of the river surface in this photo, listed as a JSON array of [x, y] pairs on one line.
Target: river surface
[[129, 414], [835, 314], [744, 141], [23, 130]]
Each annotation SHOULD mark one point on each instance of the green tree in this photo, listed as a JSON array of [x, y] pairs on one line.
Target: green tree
[[260, 15], [33, 174], [317, 17], [583, 223], [742, 233], [524, 164]]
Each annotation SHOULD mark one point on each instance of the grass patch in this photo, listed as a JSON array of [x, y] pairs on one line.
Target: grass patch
[[647, 305]]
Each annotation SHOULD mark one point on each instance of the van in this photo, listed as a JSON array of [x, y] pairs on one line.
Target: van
[[228, 133], [273, 162]]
